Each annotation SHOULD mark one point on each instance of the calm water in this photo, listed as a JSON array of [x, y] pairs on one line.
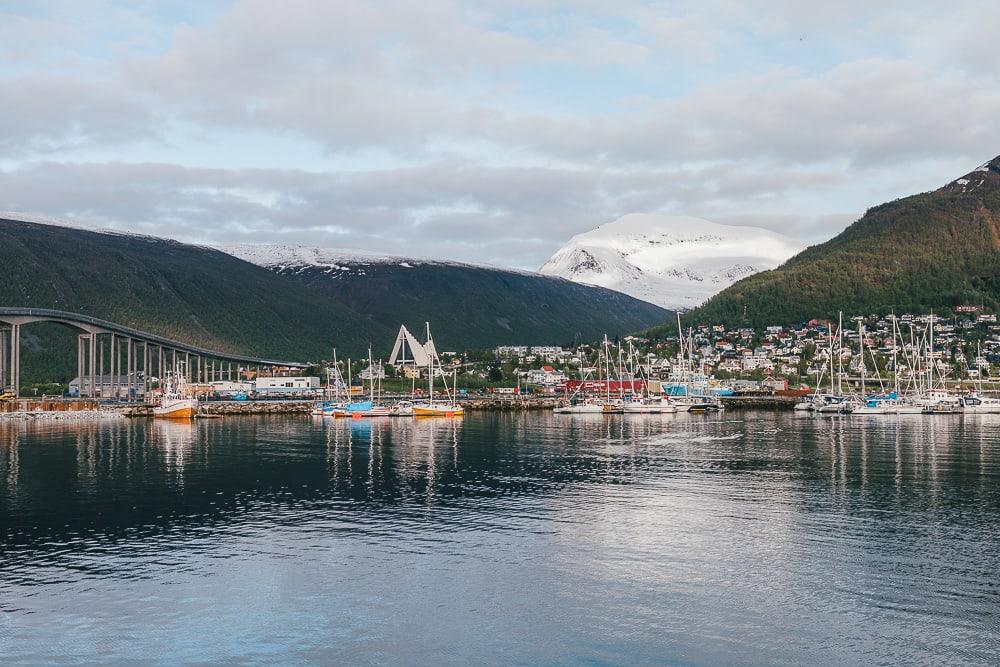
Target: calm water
[[750, 538]]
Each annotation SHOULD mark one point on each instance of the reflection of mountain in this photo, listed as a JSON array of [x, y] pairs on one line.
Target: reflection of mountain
[[126, 479]]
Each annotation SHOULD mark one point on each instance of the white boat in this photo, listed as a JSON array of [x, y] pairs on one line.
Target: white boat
[[580, 408], [832, 404], [805, 405], [696, 403], [655, 406], [402, 409], [976, 404], [173, 402]]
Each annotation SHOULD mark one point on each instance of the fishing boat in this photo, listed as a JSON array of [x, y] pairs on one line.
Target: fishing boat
[[449, 407], [173, 402]]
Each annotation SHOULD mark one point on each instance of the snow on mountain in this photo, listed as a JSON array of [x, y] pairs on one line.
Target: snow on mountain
[[288, 258], [675, 262], [276, 256]]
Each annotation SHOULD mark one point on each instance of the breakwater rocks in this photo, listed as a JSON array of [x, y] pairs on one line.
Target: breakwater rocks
[[508, 405], [223, 408], [760, 402], [256, 408], [61, 415]]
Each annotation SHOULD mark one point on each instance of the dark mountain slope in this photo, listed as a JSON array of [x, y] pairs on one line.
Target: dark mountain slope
[[189, 293], [473, 306]]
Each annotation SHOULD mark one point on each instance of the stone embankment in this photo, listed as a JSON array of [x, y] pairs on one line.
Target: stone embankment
[[760, 402], [508, 405], [222, 408]]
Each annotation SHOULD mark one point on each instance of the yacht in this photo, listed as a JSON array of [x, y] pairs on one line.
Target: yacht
[[449, 407]]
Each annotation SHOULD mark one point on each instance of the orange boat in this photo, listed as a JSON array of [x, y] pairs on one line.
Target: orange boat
[[173, 404]]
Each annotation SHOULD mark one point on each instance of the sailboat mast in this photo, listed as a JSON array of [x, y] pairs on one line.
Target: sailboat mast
[[861, 348], [430, 365], [840, 354]]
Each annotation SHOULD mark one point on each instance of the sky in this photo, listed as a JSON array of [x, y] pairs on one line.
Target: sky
[[485, 131]]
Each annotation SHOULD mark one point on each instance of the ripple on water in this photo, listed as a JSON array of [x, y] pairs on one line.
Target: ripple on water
[[751, 538]]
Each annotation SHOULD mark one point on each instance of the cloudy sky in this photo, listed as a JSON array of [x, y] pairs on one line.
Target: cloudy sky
[[487, 131]]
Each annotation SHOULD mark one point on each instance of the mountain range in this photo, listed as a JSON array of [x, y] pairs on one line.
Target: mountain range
[[207, 297], [673, 261], [469, 306], [929, 251]]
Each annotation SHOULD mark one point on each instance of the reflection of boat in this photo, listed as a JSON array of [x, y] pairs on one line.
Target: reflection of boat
[[173, 404]]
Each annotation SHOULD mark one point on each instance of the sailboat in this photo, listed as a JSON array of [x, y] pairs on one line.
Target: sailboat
[[836, 401], [975, 402], [431, 408], [687, 390], [368, 408], [644, 403], [334, 395], [578, 403]]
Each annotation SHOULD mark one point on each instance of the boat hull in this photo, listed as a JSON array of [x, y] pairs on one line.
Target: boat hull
[[180, 410], [584, 409], [438, 411]]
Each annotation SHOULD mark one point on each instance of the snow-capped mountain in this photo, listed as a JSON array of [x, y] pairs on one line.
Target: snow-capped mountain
[[675, 262]]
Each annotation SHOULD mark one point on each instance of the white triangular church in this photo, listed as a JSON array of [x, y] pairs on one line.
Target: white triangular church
[[408, 351]]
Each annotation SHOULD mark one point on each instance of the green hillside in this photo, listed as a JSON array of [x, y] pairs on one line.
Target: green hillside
[[189, 293], [208, 298], [931, 251]]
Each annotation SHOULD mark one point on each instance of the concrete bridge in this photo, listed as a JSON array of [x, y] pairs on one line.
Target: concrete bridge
[[119, 359]]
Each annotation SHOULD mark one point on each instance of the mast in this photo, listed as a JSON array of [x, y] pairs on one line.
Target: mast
[[371, 376], [430, 367], [840, 354], [861, 349], [829, 336], [930, 354], [895, 359]]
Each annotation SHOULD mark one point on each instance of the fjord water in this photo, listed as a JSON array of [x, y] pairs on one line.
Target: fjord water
[[750, 538]]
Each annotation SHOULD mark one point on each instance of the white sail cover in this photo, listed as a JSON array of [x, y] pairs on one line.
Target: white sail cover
[[408, 350]]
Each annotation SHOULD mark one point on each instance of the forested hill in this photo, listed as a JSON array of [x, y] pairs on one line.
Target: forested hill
[[930, 251], [210, 298], [190, 293], [477, 306]]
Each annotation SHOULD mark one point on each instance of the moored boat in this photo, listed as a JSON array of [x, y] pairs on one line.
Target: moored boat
[[173, 402]]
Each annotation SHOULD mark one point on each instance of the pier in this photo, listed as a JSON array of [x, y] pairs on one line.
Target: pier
[[120, 358]]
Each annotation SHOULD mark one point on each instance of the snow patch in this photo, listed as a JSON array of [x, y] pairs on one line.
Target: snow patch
[[673, 261]]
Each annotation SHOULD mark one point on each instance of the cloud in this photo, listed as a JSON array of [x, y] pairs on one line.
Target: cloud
[[485, 131]]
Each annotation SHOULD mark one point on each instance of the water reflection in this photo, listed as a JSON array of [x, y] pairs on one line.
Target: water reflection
[[795, 539]]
